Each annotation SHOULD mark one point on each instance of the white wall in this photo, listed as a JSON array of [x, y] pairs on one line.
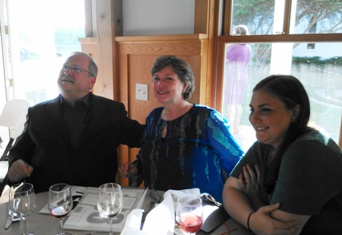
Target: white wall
[[158, 17]]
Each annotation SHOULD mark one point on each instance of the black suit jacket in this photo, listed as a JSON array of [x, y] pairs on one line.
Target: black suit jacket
[[45, 144]]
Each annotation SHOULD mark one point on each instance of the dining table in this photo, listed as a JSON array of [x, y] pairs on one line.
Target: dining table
[[45, 224]]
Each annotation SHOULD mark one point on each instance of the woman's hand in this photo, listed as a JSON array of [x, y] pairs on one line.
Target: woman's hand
[[261, 222], [250, 181], [128, 170]]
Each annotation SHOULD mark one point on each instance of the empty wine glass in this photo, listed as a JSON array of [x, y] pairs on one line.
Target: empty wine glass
[[189, 215], [60, 202], [109, 201], [22, 200]]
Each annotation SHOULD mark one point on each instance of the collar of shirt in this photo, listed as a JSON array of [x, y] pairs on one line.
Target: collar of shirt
[[64, 103]]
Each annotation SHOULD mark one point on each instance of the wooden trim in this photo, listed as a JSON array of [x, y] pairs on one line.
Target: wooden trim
[[287, 17], [227, 9], [88, 41], [201, 21], [340, 136], [124, 152], [212, 52], [123, 83], [88, 18], [157, 48], [219, 83], [284, 38], [117, 30], [161, 37], [204, 81]]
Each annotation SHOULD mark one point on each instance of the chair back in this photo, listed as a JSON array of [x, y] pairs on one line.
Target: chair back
[[13, 112], [13, 116]]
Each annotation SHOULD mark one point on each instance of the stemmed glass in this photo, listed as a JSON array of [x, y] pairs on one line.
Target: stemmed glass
[[22, 201], [109, 201], [189, 215], [60, 202]]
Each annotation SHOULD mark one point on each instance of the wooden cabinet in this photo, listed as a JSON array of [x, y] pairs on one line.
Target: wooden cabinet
[[136, 57]]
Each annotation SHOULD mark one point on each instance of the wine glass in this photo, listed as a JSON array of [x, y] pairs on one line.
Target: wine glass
[[60, 202], [22, 200], [109, 201], [189, 215]]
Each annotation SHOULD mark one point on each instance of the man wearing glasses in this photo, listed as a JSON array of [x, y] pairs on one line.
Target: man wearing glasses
[[73, 138]]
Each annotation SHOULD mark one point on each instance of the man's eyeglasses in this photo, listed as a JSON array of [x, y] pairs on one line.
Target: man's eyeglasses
[[75, 69]]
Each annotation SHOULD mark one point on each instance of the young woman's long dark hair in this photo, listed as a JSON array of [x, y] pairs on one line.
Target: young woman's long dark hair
[[291, 92]]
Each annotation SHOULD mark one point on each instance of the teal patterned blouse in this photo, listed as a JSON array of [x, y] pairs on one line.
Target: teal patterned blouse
[[197, 151]]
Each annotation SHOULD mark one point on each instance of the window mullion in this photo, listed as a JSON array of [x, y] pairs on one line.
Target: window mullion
[[287, 16], [283, 38]]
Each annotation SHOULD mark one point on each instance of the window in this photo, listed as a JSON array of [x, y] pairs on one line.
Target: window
[[309, 47], [265, 17], [316, 17], [263, 12], [40, 34]]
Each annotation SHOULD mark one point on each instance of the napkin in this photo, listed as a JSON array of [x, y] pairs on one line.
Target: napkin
[[153, 224], [182, 193], [5, 194], [132, 224]]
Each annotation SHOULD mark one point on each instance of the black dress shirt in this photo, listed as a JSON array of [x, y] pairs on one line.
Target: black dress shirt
[[75, 118]]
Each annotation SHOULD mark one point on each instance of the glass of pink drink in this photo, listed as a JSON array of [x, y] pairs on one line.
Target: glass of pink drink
[[189, 216]]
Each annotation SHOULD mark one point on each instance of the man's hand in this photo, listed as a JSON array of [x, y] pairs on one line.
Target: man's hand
[[19, 170]]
